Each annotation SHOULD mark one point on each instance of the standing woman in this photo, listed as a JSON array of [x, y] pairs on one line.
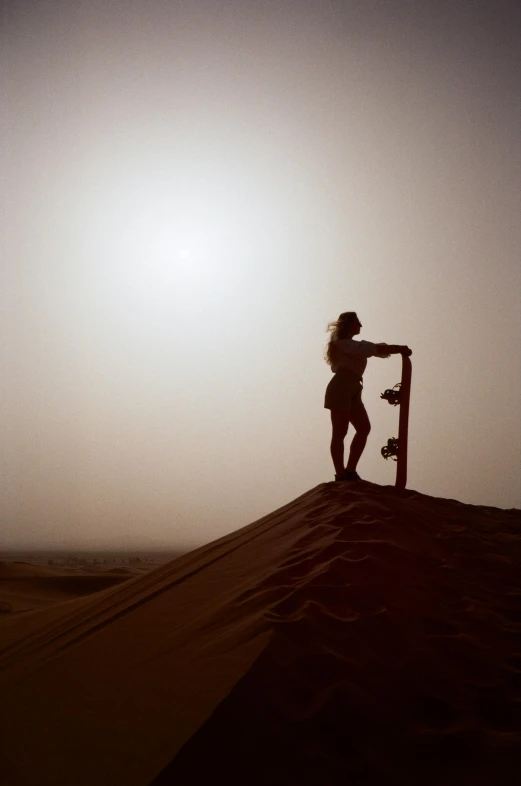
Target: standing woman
[[348, 359]]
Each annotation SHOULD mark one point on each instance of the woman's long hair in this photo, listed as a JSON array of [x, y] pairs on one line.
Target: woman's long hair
[[338, 329]]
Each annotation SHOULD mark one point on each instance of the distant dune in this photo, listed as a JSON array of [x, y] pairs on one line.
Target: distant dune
[[23, 570], [358, 635], [38, 582], [25, 587]]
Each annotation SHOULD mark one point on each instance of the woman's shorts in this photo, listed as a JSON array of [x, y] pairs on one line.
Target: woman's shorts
[[344, 391]]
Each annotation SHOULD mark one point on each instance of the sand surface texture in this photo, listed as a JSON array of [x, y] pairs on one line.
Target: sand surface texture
[[358, 635]]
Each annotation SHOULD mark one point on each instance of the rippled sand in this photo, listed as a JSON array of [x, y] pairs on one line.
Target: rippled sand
[[358, 635]]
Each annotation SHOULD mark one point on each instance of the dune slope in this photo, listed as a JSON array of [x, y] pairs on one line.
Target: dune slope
[[359, 634]]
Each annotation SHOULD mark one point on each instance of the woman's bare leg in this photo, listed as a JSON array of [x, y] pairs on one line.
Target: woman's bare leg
[[340, 423], [360, 421]]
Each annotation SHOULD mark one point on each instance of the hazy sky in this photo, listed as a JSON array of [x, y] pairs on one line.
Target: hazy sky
[[193, 190]]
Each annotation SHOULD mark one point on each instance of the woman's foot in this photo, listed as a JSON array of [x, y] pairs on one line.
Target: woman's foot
[[348, 476]]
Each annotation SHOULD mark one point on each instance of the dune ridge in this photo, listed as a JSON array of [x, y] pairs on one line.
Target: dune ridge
[[359, 634]]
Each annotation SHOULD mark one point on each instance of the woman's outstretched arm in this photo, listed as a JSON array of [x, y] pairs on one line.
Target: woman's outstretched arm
[[384, 350]]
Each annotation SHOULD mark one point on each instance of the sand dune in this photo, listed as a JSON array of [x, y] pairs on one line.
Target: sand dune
[[25, 586], [23, 570], [357, 635], [35, 581]]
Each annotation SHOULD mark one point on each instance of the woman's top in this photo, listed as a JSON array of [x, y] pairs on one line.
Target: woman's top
[[352, 355]]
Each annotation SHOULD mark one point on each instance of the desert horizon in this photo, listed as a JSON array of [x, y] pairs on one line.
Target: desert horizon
[[91, 556]]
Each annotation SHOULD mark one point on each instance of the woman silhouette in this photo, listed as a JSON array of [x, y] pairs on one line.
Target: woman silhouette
[[348, 359]]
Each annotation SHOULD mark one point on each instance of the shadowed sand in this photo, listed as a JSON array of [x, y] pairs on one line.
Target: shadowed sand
[[358, 635]]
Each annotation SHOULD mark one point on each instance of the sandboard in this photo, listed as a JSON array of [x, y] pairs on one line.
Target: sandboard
[[396, 448]]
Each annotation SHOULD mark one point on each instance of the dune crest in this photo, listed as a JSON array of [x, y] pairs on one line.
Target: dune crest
[[358, 634]]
